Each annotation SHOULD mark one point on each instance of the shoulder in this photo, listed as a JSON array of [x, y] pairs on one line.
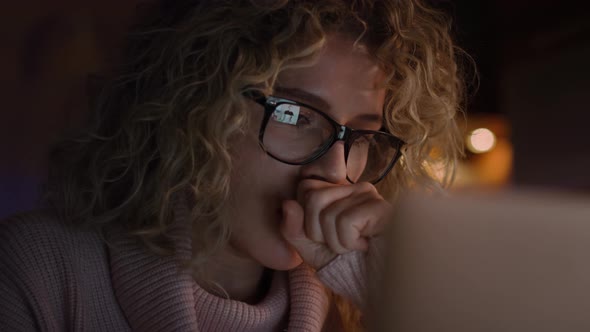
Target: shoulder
[[53, 274], [29, 223], [44, 258], [41, 237], [44, 226]]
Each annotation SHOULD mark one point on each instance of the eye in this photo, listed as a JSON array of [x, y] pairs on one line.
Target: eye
[[363, 140], [287, 114], [295, 115], [303, 120]]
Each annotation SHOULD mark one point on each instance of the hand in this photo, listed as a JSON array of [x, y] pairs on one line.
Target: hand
[[327, 219]]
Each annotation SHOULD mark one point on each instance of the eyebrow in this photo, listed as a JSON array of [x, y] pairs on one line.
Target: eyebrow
[[320, 103], [305, 96]]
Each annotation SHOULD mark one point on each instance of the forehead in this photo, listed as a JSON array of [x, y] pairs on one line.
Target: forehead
[[344, 77]]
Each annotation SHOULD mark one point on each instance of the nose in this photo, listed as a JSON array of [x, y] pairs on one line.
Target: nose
[[331, 167]]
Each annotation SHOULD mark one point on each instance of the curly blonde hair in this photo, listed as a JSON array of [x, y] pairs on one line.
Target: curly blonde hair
[[164, 122]]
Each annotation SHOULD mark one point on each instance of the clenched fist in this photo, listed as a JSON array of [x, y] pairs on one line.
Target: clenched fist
[[328, 219]]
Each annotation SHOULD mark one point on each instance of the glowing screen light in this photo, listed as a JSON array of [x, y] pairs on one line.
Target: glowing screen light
[[481, 140]]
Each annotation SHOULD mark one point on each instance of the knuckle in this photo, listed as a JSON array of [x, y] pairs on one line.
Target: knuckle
[[343, 223]]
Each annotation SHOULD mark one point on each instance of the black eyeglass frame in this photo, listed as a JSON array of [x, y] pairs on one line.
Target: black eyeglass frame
[[341, 133]]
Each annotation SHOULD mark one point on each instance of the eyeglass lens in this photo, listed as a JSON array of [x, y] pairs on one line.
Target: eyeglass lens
[[296, 134]]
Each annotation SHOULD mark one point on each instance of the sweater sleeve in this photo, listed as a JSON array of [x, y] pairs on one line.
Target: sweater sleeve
[[348, 275], [16, 308]]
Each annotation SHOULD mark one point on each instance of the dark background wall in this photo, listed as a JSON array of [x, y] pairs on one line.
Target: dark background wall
[[545, 93], [48, 50], [534, 63], [532, 56]]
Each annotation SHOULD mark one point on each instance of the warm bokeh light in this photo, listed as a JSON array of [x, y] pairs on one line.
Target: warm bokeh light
[[489, 133], [481, 140]]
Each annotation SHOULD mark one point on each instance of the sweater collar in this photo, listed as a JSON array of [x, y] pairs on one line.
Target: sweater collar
[[156, 294]]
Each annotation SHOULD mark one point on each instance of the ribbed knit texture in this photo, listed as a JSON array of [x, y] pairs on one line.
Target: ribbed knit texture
[[54, 278], [215, 313], [57, 278], [346, 276]]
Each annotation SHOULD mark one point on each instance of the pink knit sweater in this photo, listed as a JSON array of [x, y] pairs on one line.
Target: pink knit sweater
[[58, 278]]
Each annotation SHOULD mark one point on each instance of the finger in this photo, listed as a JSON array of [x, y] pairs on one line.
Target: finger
[[317, 255], [315, 199], [340, 224], [308, 191], [350, 227], [347, 222], [292, 225], [371, 205], [328, 225], [358, 223]]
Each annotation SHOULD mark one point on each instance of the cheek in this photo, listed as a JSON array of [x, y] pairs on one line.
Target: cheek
[[253, 170], [259, 184], [258, 190], [263, 180]]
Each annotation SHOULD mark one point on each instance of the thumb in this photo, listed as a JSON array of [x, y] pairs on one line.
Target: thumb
[[292, 226]]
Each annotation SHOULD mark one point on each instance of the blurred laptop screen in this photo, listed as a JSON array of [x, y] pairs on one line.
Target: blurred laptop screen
[[504, 262]]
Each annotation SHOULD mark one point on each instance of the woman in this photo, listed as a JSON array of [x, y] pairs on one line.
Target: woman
[[239, 166]]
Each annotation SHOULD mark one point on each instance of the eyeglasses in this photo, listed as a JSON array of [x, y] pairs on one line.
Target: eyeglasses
[[297, 134]]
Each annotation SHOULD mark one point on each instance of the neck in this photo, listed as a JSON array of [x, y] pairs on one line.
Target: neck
[[239, 277]]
